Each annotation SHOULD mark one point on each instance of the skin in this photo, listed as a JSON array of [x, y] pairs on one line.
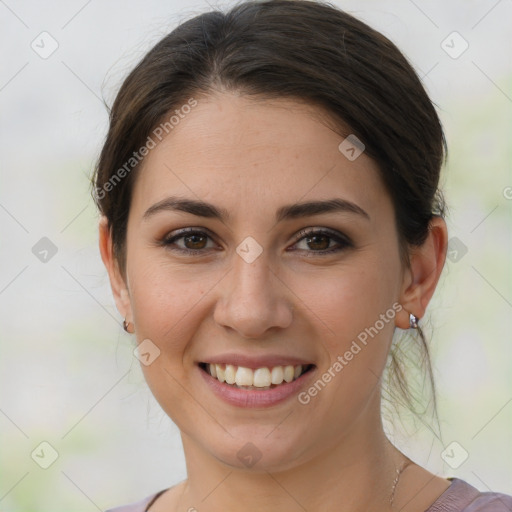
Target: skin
[[250, 158]]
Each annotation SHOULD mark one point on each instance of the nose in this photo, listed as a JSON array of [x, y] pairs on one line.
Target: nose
[[253, 299]]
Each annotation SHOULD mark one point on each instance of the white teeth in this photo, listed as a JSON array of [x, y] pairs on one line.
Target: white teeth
[[221, 372], [244, 376], [230, 374], [259, 378], [277, 375], [288, 373]]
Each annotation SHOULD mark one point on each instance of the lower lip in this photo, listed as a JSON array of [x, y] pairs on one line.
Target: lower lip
[[252, 397]]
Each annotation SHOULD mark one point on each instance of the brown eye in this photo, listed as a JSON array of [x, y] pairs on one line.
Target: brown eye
[[319, 241], [195, 241], [191, 241]]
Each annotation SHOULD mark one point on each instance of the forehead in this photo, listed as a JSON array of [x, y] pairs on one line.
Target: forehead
[[242, 153]]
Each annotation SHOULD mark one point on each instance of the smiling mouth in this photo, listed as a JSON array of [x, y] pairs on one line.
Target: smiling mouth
[[258, 379]]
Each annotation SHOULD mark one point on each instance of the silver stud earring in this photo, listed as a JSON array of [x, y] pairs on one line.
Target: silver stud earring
[[128, 327], [413, 321]]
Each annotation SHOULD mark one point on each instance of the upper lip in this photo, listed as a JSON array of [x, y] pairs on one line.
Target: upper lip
[[254, 362]]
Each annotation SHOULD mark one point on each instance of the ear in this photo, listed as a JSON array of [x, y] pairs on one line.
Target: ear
[[420, 279], [117, 282]]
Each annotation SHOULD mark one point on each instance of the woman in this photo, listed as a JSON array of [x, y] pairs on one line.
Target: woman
[[270, 215]]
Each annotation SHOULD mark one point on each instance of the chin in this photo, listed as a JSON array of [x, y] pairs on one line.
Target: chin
[[258, 452]]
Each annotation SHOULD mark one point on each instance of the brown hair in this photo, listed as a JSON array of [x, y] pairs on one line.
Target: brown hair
[[300, 49]]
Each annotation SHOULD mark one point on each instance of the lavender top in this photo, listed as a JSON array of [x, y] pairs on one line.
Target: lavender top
[[459, 497]]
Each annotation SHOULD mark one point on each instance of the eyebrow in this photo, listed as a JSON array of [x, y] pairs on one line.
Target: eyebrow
[[292, 211]]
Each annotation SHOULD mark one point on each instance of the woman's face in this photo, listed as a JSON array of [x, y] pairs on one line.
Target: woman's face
[[253, 291]]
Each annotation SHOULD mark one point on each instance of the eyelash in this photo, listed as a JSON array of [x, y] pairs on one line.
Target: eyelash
[[342, 240]]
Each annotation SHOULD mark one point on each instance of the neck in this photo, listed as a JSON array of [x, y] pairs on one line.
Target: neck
[[356, 474]]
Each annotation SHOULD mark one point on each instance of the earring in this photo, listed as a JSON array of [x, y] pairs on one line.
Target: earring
[[413, 321], [128, 327]]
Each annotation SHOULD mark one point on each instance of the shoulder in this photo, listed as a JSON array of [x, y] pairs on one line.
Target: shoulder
[[463, 497], [138, 506]]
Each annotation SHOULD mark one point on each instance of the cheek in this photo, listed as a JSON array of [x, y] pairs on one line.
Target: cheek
[[164, 301], [353, 309], [348, 300]]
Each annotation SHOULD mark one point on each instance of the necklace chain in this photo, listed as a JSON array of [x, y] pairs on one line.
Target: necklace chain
[[399, 471]]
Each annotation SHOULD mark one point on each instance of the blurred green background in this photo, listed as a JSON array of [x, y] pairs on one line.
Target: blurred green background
[[68, 376]]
